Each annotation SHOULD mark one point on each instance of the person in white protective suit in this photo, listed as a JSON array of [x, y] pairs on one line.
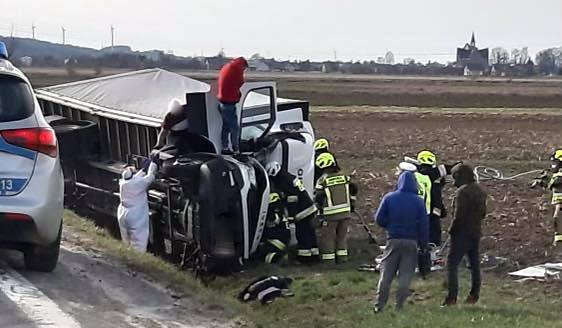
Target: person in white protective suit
[[132, 213]]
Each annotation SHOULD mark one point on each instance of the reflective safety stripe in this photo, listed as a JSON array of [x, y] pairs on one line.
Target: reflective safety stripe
[[353, 197], [292, 199], [277, 244], [274, 197], [341, 252], [328, 257], [269, 257], [437, 211], [337, 209], [299, 184], [556, 198], [305, 213], [336, 180], [557, 238], [332, 209], [315, 251], [304, 252]]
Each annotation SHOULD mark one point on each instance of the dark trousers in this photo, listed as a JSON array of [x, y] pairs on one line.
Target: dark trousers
[[460, 246], [276, 240], [306, 237], [435, 229], [230, 126]]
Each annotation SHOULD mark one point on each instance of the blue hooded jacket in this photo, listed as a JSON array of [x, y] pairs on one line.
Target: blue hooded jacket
[[402, 212]]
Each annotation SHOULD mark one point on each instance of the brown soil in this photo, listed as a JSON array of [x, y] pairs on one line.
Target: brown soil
[[519, 222], [375, 90]]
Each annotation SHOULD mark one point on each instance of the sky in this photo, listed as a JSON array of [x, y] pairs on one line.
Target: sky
[[292, 29]]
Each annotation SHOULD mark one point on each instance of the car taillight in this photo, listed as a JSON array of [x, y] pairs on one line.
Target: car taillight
[[15, 217], [42, 140]]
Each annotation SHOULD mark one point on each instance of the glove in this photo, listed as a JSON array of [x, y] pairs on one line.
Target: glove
[[145, 165]]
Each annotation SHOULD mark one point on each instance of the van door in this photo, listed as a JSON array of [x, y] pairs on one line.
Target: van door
[[257, 109]]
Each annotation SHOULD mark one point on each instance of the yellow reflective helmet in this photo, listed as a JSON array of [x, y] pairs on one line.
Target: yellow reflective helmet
[[427, 157], [321, 144], [325, 160], [557, 155]]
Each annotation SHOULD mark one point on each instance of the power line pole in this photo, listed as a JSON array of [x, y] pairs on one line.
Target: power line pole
[[112, 37], [335, 55], [12, 29], [33, 27], [63, 34]]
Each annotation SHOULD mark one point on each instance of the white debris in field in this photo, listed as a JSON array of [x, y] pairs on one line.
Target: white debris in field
[[542, 272]]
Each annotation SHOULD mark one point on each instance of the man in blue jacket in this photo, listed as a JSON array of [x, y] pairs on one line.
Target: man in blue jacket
[[403, 215]]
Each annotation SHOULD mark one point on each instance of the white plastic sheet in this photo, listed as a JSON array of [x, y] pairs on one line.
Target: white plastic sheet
[[543, 271]]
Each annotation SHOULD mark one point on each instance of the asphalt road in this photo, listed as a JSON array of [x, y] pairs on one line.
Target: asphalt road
[[88, 291]]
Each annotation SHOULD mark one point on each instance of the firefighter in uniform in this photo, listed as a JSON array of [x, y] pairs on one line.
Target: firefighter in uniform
[[553, 182], [276, 235], [321, 146], [427, 165], [300, 208], [335, 197]]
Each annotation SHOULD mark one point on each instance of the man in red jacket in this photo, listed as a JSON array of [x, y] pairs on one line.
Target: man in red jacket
[[231, 78]]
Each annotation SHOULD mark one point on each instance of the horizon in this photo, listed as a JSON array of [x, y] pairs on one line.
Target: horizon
[[295, 31]]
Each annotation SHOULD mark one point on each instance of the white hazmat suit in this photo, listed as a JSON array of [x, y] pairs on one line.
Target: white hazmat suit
[[132, 213]]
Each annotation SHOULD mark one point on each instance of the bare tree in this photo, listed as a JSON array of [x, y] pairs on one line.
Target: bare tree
[[499, 55], [389, 58]]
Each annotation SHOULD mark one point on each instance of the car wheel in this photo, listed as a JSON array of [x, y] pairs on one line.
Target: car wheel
[[43, 258]]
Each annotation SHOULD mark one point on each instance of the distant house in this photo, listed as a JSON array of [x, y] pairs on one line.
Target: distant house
[[503, 70], [474, 69], [330, 67], [154, 55], [258, 65], [117, 50], [216, 63], [474, 61]]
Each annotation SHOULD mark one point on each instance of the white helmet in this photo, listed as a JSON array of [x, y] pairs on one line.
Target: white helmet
[[273, 168]]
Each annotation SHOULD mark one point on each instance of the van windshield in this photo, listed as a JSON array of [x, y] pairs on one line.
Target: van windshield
[[16, 100]]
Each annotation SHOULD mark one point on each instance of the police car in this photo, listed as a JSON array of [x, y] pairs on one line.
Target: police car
[[31, 180]]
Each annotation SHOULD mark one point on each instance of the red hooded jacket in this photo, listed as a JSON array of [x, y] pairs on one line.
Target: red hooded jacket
[[231, 78]]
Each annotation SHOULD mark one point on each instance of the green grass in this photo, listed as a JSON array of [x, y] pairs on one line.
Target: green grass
[[341, 296]]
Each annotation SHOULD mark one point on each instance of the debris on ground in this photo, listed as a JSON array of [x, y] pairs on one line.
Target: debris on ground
[[543, 272]]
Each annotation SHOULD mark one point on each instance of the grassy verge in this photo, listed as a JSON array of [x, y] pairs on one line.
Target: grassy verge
[[341, 296]]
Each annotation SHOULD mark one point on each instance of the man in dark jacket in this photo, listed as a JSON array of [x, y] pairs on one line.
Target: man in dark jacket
[[403, 215], [465, 231], [231, 79]]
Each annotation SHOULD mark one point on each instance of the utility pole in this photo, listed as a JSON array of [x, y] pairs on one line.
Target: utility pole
[[63, 34], [112, 37], [335, 55], [12, 29], [33, 27]]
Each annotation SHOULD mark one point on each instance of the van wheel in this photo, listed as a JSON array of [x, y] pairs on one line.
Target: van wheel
[[43, 258]]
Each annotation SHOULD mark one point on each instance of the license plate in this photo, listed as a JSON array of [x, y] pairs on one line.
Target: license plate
[[10, 186]]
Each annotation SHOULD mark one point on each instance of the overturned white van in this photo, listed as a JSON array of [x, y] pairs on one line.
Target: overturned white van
[[207, 210]]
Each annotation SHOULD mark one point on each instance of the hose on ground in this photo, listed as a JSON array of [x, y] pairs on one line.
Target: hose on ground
[[484, 173]]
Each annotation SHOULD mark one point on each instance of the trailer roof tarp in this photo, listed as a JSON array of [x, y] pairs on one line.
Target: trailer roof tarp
[[145, 92]]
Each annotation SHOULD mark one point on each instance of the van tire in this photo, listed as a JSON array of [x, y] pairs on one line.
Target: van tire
[[43, 258]]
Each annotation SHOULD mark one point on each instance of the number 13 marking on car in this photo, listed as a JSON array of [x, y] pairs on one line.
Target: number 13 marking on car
[[6, 185]]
